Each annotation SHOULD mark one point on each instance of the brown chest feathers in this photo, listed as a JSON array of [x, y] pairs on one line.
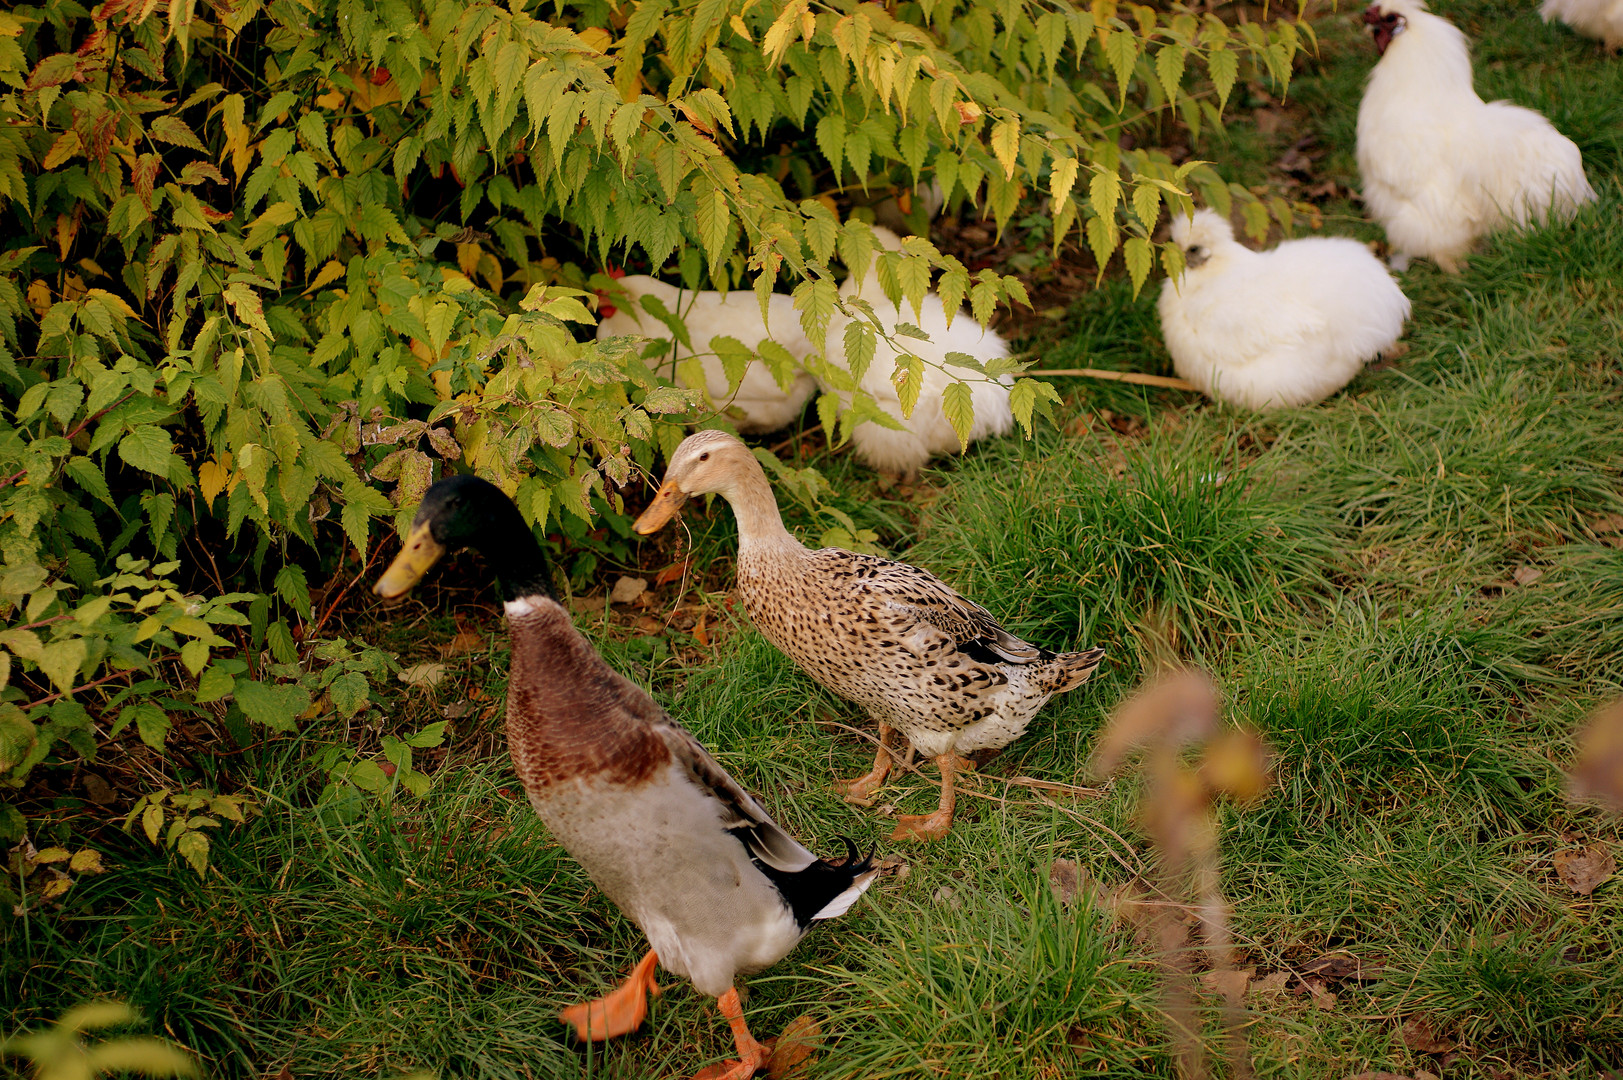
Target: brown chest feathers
[[569, 715]]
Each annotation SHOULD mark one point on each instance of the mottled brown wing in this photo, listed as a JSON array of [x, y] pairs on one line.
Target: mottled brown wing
[[918, 596], [740, 814]]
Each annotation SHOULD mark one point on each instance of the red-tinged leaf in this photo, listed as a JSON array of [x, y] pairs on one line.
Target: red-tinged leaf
[[172, 129], [195, 172], [143, 176], [53, 71]]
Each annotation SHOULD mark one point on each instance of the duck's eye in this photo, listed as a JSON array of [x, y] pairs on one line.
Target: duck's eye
[[1196, 250], [705, 456]]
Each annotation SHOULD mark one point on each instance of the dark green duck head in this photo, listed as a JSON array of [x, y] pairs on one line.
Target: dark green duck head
[[467, 512]]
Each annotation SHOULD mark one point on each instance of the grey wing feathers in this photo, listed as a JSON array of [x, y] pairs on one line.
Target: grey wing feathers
[[740, 815], [922, 597]]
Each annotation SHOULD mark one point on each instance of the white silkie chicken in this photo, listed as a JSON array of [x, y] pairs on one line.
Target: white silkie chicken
[[761, 404], [1598, 18], [1440, 166], [1289, 326], [927, 432]]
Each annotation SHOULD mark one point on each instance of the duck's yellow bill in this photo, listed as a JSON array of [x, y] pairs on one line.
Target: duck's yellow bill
[[421, 552], [662, 509]]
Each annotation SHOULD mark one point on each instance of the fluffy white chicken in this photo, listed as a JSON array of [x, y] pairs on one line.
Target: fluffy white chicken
[[761, 404], [1440, 166], [1289, 326], [927, 432], [1598, 18]]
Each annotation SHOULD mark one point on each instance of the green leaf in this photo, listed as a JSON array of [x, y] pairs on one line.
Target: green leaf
[[1104, 192], [61, 660], [152, 724], [1224, 67], [147, 448], [193, 846], [215, 684], [831, 139], [712, 219], [860, 344], [349, 693], [276, 707], [958, 405], [1121, 50], [1169, 62], [172, 129], [1137, 255]]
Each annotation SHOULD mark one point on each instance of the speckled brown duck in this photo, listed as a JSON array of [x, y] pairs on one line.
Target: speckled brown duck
[[891, 637], [720, 890]]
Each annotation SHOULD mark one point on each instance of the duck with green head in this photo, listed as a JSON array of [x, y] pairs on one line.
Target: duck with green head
[[720, 890]]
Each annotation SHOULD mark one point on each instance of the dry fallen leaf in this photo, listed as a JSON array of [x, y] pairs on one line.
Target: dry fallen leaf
[[1418, 1036], [1271, 985], [627, 589], [580, 605], [426, 676], [673, 572], [1610, 523], [1323, 997], [467, 640], [946, 895], [648, 625], [1342, 965], [1582, 871], [1378, 1076], [1526, 575], [794, 1051], [1229, 982], [699, 633], [1065, 879]]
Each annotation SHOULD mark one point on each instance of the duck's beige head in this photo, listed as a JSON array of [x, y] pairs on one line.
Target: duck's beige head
[[706, 462]]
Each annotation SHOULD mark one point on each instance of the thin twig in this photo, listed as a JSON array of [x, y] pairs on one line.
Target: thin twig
[[47, 699], [1134, 377], [365, 570]]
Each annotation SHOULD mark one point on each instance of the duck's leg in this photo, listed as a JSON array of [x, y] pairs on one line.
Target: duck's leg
[[621, 1010], [931, 826], [751, 1054], [863, 789]]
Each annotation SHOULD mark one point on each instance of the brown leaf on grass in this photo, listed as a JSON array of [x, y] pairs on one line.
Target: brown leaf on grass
[[1323, 997], [627, 589], [1229, 982], [1526, 575], [98, 789], [426, 676], [1271, 985], [1418, 1036], [1065, 879], [1583, 871], [580, 605], [1343, 965], [793, 1052], [1598, 773], [285, 1073], [467, 640], [1610, 523], [673, 572], [648, 626], [1377, 1075], [700, 634]]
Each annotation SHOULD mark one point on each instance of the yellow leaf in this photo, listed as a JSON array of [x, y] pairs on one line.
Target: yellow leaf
[[214, 477], [66, 147], [39, 298], [596, 38], [737, 23], [330, 272], [112, 300], [53, 855], [56, 887], [1006, 144], [86, 862], [467, 257]]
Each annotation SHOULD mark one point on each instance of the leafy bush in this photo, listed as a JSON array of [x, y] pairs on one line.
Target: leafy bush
[[272, 265]]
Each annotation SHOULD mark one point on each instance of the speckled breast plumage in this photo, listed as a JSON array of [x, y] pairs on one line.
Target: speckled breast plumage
[[816, 607]]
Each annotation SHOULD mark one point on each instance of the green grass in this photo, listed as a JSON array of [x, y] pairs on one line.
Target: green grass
[[1351, 581]]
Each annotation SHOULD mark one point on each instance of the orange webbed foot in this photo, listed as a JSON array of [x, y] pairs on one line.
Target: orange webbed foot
[[922, 826], [619, 1012], [751, 1054]]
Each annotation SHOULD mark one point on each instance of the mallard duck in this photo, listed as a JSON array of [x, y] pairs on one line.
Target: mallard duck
[[893, 638], [656, 822]]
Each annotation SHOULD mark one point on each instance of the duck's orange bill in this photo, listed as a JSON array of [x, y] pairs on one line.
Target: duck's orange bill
[[420, 552], [662, 509]]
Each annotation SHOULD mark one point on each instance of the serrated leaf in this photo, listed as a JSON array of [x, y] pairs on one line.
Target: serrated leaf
[[215, 684], [712, 218], [1121, 50], [958, 406], [860, 343], [1169, 64], [276, 707], [1137, 255], [1104, 192], [193, 846], [1224, 67], [147, 448], [1006, 144], [1062, 177], [61, 660]]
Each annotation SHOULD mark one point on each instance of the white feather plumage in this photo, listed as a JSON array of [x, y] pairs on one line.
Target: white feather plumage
[[1289, 326], [761, 404], [927, 432], [1598, 18], [1440, 166]]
